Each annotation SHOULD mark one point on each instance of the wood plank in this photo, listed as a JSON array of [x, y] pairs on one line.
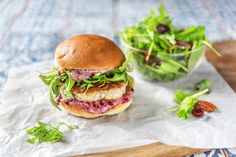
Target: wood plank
[[150, 150], [226, 66]]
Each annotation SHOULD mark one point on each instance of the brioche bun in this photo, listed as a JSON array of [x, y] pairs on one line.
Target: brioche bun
[[88, 52], [76, 111]]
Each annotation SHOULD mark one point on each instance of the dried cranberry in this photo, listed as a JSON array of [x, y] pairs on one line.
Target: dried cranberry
[[125, 100], [144, 53], [183, 44], [197, 112], [162, 28], [110, 103], [153, 60]]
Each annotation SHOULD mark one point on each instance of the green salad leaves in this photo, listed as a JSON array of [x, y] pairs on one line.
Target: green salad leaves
[[203, 84], [115, 75], [47, 133], [161, 50], [60, 81], [186, 102]]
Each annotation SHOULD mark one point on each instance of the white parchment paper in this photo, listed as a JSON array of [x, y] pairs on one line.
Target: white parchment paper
[[26, 101]]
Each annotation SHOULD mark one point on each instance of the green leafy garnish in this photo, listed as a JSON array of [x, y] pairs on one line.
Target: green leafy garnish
[[186, 102], [47, 77], [69, 82], [53, 91], [203, 84], [114, 75], [47, 133], [180, 95], [177, 49]]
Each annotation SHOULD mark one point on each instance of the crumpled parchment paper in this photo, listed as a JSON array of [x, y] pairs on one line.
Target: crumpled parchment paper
[[25, 101]]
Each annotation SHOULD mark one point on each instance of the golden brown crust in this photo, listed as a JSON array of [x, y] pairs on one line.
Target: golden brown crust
[[96, 88], [90, 52], [76, 111]]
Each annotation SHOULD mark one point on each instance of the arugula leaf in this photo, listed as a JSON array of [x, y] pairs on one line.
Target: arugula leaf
[[193, 33], [46, 133], [186, 106], [123, 67], [211, 47], [69, 82], [54, 91], [196, 54], [48, 76], [66, 95], [203, 84], [186, 103], [180, 95]]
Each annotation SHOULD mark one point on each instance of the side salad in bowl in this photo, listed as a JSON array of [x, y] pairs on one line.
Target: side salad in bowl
[[162, 51]]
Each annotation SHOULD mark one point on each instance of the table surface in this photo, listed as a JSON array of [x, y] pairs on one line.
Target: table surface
[[30, 30]]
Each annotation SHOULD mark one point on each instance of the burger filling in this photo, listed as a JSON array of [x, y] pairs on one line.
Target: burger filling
[[94, 91], [99, 106]]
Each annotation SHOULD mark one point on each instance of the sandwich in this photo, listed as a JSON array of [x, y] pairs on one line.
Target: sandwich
[[91, 78]]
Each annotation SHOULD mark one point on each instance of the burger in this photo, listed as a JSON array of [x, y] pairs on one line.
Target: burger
[[91, 78]]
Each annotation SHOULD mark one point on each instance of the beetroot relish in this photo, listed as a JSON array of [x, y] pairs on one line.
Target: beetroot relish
[[99, 106]]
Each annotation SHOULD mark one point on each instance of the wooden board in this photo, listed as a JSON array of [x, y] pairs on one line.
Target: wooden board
[[226, 66]]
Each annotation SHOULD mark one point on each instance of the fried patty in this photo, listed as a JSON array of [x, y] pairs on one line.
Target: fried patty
[[107, 91]]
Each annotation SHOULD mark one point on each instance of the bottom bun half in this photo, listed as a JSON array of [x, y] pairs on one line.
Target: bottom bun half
[[76, 111]]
